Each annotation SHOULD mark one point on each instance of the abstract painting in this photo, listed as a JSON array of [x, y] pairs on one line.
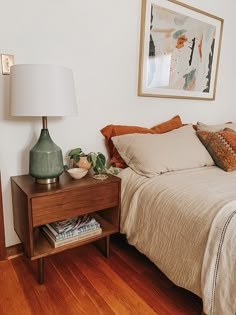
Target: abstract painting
[[179, 51]]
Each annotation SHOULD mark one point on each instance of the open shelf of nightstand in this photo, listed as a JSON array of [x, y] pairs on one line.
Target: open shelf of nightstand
[[43, 248]]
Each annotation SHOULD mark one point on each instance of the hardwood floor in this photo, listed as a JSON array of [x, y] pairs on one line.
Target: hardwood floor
[[82, 281]]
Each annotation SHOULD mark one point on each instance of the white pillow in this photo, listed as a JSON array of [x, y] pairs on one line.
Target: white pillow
[[151, 154], [214, 128]]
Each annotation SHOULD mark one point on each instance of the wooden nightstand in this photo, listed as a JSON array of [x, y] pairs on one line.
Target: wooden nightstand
[[36, 204]]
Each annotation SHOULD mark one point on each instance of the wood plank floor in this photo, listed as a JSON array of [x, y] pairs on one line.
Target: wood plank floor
[[82, 281]]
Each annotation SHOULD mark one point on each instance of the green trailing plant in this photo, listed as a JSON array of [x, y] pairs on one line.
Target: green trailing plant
[[97, 159], [76, 154]]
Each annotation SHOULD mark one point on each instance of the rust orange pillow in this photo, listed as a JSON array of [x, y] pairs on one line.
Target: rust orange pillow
[[168, 125], [118, 130], [222, 147]]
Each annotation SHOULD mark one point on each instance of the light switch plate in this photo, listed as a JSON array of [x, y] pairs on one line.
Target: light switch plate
[[7, 62]]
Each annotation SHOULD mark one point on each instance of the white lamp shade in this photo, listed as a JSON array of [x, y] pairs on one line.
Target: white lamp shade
[[42, 90]]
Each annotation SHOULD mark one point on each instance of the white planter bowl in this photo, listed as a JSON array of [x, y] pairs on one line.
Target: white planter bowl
[[77, 173]]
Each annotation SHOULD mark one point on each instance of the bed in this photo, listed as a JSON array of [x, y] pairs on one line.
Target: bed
[[182, 213], [179, 220]]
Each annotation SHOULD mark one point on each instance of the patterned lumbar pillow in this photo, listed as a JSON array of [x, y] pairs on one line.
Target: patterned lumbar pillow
[[221, 146]]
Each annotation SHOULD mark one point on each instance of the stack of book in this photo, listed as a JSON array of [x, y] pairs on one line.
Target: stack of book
[[71, 230]]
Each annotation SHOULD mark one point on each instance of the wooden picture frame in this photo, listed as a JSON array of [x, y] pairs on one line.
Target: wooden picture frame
[[179, 51]]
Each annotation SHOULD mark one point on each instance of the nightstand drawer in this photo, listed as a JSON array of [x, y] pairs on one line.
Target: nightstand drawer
[[68, 204]]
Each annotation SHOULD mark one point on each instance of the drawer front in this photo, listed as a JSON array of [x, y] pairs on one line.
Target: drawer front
[[72, 203]]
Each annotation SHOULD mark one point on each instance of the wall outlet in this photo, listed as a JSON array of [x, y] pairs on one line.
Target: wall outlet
[[7, 62]]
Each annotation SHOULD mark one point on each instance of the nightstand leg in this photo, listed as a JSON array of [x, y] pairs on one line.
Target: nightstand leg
[[107, 246], [104, 245], [41, 270]]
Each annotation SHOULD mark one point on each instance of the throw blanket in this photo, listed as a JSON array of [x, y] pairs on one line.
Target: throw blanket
[[169, 218], [219, 264]]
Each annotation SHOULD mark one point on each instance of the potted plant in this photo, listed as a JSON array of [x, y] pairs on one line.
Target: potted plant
[[79, 158], [96, 160]]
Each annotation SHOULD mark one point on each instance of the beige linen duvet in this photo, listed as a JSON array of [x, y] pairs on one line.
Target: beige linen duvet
[[185, 223]]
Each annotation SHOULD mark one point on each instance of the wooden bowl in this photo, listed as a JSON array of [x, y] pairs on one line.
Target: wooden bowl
[[77, 173]]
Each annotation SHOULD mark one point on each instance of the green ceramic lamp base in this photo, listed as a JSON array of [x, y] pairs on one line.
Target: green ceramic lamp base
[[46, 162]]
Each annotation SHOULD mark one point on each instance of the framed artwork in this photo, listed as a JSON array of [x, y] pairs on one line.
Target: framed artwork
[[179, 51]]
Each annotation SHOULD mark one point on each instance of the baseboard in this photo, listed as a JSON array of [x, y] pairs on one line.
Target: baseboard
[[14, 251]]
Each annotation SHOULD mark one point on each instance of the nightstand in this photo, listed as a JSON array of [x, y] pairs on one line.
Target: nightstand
[[36, 204]]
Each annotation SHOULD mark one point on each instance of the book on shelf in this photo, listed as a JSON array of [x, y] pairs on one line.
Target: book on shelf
[[72, 224], [79, 226], [69, 240]]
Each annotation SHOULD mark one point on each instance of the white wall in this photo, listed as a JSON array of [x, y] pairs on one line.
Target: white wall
[[99, 40]]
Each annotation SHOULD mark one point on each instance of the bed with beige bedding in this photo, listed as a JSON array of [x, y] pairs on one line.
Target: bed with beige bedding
[[169, 219], [182, 218]]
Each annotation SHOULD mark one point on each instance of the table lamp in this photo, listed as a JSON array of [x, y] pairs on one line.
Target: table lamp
[[43, 90]]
